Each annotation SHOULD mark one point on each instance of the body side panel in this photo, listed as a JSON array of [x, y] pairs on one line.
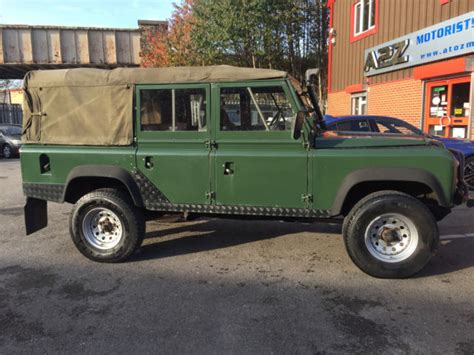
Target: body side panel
[[335, 171]]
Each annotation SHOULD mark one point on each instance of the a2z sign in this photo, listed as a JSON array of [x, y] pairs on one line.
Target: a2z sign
[[387, 56]]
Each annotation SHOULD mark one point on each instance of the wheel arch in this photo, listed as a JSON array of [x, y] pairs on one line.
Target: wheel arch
[[360, 183], [86, 178]]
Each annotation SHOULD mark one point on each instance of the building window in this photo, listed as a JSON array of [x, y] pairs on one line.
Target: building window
[[364, 16], [364, 19], [359, 104]]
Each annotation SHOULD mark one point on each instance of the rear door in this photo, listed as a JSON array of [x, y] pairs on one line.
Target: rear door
[[257, 162], [172, 130]]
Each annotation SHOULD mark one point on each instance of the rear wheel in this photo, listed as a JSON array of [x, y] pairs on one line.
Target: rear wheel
[[105, 226], [469, 172], [389, 234], [7, 151]]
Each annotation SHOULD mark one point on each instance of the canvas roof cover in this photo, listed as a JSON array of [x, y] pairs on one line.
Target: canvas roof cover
[[95, 106]]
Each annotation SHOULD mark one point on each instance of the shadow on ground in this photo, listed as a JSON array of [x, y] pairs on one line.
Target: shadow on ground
[[206, 235]]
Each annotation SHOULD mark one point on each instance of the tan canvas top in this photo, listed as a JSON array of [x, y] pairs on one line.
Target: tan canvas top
[[95, 106], [123, 76]]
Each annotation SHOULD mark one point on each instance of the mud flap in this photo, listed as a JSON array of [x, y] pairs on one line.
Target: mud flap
[[36, 215]]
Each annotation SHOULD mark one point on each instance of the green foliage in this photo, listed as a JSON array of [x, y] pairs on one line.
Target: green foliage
[[283, 34]]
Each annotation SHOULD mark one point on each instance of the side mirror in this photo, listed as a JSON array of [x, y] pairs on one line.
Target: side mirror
[[298, 124]]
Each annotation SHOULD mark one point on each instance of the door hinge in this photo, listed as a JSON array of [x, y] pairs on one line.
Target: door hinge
[[210, 195], [211, 144], [307, 199]]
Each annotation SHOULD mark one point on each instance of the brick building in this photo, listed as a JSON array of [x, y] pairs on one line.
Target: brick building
[[411, 59]]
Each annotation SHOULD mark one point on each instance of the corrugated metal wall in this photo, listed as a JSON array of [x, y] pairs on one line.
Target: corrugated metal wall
[[11, 114], [68, 45], [396, 18]]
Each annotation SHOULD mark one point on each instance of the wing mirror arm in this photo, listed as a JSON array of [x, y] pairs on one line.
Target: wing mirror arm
[[310, 76]]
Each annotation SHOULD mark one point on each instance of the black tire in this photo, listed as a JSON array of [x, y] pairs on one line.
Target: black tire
[[372, 253], [7, 151], [124, 222], [469, 171]]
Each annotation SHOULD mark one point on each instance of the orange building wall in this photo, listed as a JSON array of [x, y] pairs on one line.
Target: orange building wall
[[402, 99], [339, 103]]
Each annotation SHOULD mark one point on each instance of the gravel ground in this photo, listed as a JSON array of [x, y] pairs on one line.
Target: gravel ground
[[213, 286]]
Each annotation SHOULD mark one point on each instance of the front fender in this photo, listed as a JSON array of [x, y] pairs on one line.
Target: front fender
[[388, 174]]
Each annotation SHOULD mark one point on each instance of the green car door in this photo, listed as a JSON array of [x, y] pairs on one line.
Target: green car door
[[172, 130], [256, 160]]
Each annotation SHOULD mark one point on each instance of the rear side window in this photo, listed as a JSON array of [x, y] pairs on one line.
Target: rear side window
[[173, 109], [354, 126]]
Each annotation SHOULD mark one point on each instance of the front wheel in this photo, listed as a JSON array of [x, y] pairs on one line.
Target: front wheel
[[105, 226], [389, 234]]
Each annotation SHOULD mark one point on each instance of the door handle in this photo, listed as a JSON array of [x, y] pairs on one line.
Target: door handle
[[149, 162], [228, 168]]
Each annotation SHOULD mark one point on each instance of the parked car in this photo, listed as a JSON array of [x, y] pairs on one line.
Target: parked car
[[130, 143], [391, 125], [10, 141]]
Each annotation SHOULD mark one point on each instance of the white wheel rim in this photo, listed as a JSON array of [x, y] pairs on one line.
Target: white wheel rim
[[102, 228], [391, 238]]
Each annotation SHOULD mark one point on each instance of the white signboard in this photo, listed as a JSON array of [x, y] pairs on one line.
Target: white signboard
[[447, 39]]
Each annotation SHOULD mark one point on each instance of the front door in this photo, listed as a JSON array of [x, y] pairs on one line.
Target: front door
[[257, 162], [173, 140], [447, 107]]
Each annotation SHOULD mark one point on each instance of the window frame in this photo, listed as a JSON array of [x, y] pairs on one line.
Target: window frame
[[355, 97], [259, 135], [359, 33], [174, 134]]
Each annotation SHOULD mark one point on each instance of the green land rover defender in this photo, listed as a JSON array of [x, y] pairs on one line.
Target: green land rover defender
[[126, 144]]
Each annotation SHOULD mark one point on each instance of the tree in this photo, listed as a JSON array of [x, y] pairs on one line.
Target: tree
[[283, 34], [181, 49], [290, 35], [154, 49]]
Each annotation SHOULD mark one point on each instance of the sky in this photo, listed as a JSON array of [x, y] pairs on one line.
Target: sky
[[84, 13]]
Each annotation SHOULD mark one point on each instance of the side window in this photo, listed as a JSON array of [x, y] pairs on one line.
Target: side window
[[173, 109], [255, 109], [354, 126]]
